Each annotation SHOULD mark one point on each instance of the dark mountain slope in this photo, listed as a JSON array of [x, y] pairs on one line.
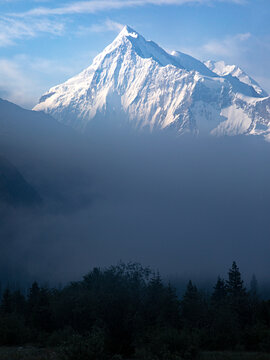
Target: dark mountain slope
[[49, 154], [14, 189]]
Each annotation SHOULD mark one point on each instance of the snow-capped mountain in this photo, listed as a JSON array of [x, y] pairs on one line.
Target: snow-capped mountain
[[223, 69], [135, 81]]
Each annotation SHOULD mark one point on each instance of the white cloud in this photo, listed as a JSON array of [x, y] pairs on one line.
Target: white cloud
[[32, 23], [14, 84], [19, 82], [229, 46], [101, 5], [108, 25], [249, 52], [13, 29], [23, 78]]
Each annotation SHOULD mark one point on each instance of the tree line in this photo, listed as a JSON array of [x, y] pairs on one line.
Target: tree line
[[129, 311]]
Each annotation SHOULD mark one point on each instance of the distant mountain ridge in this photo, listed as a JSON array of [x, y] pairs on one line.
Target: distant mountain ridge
[[223, 69], [14, 189], [44, 153], [136, 82]]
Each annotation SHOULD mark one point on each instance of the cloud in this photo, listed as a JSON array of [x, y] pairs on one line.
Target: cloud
[[13, 29], [22, 78], [246, 50], [227, 47], [108, 25], [34, 22], [13, 83], [101, 5]]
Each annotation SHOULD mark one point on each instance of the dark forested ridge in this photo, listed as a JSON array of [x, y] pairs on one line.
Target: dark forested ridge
[[14, 189], [129, 311]]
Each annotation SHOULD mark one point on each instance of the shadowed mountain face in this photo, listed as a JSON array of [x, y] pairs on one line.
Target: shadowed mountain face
[[14, 190], [28, 130], [46, 152]]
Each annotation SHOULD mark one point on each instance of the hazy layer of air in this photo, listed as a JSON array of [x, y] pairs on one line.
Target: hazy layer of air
[[183, 205]]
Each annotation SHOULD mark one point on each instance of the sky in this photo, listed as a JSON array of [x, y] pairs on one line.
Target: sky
[[44, 42]]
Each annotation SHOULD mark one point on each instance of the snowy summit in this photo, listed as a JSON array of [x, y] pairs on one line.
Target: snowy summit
[[136, 81]]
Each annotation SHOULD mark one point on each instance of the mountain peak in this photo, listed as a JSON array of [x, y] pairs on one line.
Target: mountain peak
[[128, 31], [145, 49], [134, 80], [225, 70]]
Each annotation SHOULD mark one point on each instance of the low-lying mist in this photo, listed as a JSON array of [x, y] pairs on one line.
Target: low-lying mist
[[181, 205]]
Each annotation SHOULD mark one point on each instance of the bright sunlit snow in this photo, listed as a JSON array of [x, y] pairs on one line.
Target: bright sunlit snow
[[134, 80]]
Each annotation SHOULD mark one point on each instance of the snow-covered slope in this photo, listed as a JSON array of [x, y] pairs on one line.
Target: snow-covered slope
[[135, 81], [223, 69]]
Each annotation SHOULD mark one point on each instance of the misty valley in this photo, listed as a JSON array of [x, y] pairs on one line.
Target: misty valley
[[187, 207], [134, 212]]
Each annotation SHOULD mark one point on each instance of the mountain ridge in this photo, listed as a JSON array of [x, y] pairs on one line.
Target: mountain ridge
[[14, 189], [137, 82]]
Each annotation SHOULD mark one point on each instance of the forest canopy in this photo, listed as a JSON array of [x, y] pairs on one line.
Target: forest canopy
[[128, 310]]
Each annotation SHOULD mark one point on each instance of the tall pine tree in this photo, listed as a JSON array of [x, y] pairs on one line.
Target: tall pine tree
[[219, 295], [193, 306], [235, 284], [238, 296]]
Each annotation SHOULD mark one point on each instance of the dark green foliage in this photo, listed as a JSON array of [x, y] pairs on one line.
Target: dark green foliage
[[87, 347], [6, 304], [219, 296], [238, 297], [254, 288], [13, 330], [165, 343], [235, 283], [60, 337], [126, 311], [193, 307]]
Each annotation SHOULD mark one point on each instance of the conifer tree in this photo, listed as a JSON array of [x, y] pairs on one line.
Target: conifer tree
[[220, 292], [235, 284], [18, 302], [6, 304], [254, 288], [33, 295], [238, 296], [192, 306]]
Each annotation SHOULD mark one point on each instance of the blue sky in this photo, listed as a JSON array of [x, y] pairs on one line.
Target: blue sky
[[44, 42]]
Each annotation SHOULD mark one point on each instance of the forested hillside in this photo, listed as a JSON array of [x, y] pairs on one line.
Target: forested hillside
[[127, 310]]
